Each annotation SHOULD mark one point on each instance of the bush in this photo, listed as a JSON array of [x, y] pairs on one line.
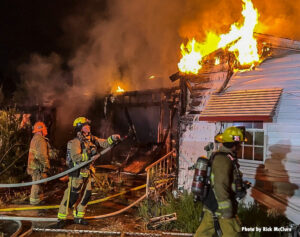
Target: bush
[[256, 215], [14, 145], [188, 215], [188, 212]]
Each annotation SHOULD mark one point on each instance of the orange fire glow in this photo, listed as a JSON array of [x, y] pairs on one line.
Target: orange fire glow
[[244, 45], [120, 90]]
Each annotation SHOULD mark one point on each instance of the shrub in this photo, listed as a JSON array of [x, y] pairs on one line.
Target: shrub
[[188, 215], [256, 215], [14, 144], [188, 212]]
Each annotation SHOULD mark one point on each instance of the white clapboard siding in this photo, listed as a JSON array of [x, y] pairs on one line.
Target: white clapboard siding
[[282, 162], [283, 128], [192, 144], [284, 135], [279, 141]]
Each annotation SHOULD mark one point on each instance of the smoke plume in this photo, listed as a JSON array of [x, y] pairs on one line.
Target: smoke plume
[[127, 42]]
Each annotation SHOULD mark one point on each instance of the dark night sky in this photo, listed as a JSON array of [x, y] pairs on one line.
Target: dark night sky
[[35, 26]]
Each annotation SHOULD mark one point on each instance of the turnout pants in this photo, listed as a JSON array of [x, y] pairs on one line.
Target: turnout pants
[[35, 188], [230, 227], [76, 187]]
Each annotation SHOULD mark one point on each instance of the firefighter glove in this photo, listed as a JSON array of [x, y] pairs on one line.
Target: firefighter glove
[[93, 151], [113, 139], [116, 137]]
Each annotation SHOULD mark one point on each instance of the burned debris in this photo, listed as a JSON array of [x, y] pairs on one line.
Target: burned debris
[[151, 116]]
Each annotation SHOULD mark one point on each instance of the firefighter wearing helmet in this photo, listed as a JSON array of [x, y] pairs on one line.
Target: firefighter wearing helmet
[[80, 149], [38, 159], [220, 206]]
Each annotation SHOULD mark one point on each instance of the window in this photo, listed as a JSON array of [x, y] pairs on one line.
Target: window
[[253, 148]]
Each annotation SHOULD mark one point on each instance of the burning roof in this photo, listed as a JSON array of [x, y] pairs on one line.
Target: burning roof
[[240, 41]]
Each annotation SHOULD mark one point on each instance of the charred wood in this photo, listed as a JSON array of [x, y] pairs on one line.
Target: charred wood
[[183, 97], [189, 77]]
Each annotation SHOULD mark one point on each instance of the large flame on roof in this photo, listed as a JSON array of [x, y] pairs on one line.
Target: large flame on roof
[[244, 45]]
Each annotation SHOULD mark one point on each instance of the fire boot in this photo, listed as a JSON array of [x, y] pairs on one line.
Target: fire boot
[[59, 224], [80, 221]]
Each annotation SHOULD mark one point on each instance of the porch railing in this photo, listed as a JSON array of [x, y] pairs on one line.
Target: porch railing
[[161, 172]]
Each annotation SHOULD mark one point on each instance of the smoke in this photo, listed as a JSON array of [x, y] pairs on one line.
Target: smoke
[[279, 18], [139, 39], [42, 79], [126, 42]]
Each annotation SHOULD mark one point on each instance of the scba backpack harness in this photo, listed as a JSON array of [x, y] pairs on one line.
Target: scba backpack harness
[[90, 150], [202, 188]]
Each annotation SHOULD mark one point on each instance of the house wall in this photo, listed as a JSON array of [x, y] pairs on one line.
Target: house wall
[[277, 180], [194, 138], [195, 134], [280, 175]]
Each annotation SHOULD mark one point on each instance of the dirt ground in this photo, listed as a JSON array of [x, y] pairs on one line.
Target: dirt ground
[[121, 223], [127, 221]]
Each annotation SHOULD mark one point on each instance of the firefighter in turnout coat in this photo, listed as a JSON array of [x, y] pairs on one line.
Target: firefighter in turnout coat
[[79, 190], [38, 159], [226, 185]]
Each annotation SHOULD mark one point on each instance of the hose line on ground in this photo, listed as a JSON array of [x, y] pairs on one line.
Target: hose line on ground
[[28, 208], [52, 219]]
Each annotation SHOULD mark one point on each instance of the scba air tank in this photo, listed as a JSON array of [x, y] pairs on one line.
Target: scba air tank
[[199, 186]]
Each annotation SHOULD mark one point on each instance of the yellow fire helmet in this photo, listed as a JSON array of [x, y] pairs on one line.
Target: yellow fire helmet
[[80, 121], [231, 134]]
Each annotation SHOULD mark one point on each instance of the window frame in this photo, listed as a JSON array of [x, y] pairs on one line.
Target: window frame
[[263, 129]]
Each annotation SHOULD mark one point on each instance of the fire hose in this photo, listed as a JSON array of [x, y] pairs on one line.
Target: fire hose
[[50, 219], [57, 206], [57, 175], [76, 167], [90, 203]]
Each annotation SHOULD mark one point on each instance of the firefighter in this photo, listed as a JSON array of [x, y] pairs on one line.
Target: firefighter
[[79, 190], [38, 159], [220, 206]]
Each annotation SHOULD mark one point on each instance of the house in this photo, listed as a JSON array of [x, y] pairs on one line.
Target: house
[[266, 101]]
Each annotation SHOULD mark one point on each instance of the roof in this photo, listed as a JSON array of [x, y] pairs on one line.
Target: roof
[[243, 105]]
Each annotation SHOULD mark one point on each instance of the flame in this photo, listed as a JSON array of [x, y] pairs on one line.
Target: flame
[[152, 77], [244, 45], [245, 48], [193, 52], [217, 61], [120, 90], [191, 57]]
